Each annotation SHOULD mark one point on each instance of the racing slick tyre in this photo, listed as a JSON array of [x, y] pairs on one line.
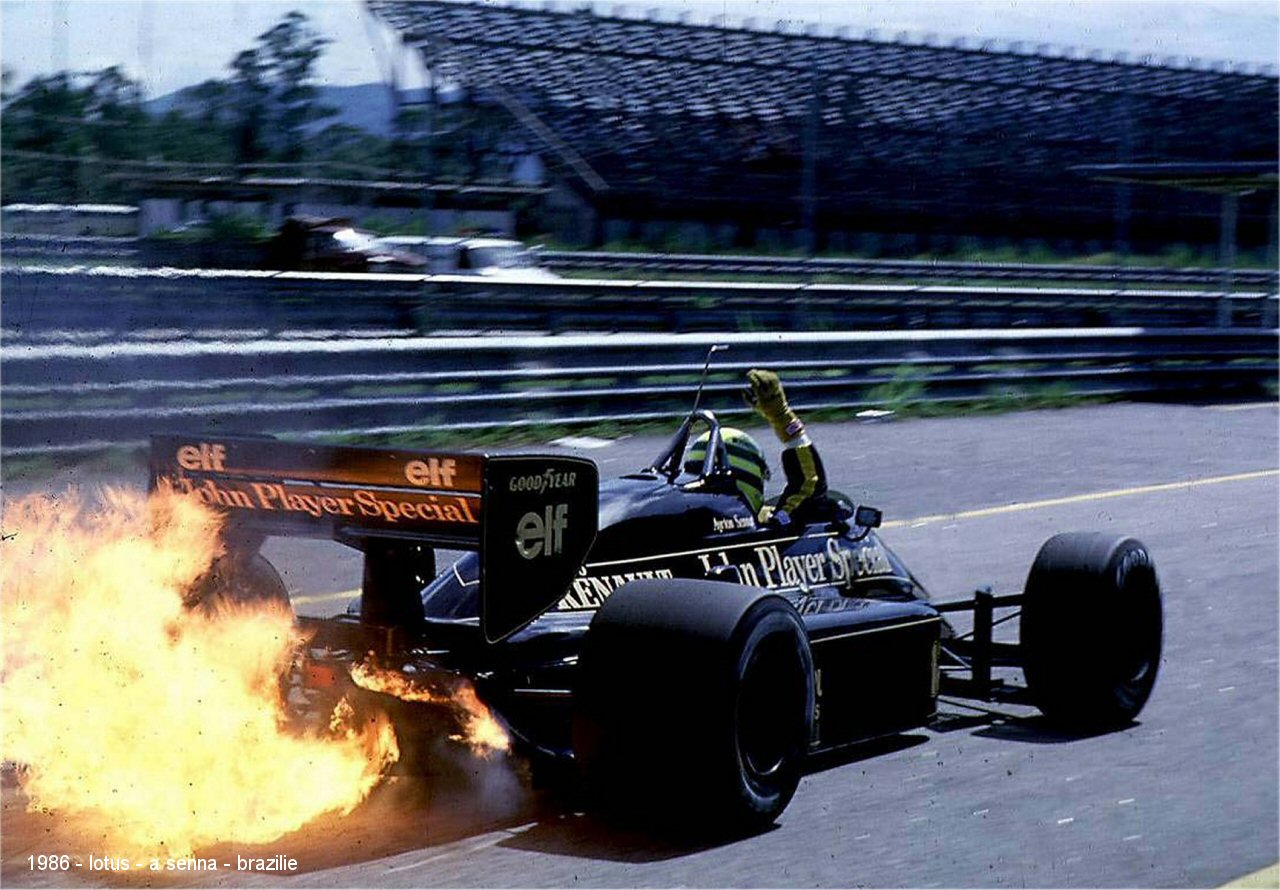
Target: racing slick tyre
[[694, 705], [1092, 629], [235, 579]]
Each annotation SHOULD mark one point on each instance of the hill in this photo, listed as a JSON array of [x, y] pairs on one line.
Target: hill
[[368, 106]]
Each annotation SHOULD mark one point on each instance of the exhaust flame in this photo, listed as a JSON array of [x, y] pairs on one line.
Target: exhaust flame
[[482, 732], [124, 708]]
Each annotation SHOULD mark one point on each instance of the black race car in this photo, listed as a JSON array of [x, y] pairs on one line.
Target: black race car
[[646, 632]]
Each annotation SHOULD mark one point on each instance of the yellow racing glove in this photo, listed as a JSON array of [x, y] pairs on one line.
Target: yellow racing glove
[[771, 402]]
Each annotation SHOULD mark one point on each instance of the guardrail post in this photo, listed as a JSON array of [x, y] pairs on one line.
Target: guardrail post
[[1270, 316], [427, 315], [1227, 255]]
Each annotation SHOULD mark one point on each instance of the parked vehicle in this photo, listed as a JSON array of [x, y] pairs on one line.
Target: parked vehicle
[[497, 258], [334, 244]]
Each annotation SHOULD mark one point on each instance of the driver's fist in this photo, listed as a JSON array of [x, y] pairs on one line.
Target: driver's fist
[[766, 392], [771, 402]]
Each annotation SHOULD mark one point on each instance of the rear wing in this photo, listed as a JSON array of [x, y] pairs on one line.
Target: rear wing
[[531, 517]]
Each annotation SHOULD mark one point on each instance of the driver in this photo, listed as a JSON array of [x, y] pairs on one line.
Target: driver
[[806, 479], [746, 461]]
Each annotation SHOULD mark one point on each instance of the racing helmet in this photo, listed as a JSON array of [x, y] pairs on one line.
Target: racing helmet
[[746, 462]]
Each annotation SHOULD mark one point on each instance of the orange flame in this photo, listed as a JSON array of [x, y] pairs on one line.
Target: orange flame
[[482, 732], [125, 708]]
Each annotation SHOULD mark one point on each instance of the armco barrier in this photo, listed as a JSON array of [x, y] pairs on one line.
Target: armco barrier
[[763, 267], [770, 266], [67, 397], [119, 303], [51, 248]]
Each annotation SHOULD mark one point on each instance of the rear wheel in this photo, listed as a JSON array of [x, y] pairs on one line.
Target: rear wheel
[[1092, 629], [694, 704], [237, 579]]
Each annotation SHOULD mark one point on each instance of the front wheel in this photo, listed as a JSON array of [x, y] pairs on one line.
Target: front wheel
[[1092, 629]]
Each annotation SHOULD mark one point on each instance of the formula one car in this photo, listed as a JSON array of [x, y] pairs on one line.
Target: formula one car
[[646, 632]]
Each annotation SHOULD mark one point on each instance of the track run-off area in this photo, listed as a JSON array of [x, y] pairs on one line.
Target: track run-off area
[[1186, 797]]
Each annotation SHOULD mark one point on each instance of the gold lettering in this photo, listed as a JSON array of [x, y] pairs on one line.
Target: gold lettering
[[768, 558], [189, 457], [813, 568], [267, 493], [839, 566], [237, 498], [366, 502], [465, 505]]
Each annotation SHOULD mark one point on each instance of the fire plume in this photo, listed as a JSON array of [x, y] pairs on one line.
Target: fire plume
[[482, 732], [160, 724]]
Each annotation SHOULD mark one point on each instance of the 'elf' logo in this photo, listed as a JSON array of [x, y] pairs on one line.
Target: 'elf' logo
[[537, 535], [431, 473], [204, 456]]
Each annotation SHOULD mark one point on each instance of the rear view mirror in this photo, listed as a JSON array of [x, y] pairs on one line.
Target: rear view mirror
[[868, 517]]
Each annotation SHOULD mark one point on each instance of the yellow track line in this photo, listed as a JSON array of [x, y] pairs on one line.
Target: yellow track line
[[967, 514], [1080, 499], [324, 597], [1251, 406], [1267, 877]]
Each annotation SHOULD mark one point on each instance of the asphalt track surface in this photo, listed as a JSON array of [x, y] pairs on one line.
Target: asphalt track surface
[[1186, 797]]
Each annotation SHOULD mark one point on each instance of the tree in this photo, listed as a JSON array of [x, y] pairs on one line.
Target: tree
[[275, 92], [44, 140], [73, 137], [118, 124], [83, 136], [252, 96]]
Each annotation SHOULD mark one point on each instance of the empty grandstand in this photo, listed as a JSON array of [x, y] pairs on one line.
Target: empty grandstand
[[778, 137]]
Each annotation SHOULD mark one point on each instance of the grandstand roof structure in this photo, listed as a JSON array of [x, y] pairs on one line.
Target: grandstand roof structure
[[793, 126]]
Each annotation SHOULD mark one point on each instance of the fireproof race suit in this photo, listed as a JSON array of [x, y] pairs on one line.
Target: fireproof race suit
[[806, 479]]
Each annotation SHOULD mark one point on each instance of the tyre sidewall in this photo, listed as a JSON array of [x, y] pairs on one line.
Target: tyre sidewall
[[1092, 629], [238, 580], [771, 639], [658, 702]]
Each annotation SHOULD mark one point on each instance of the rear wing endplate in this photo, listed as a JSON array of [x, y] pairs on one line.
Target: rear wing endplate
[[531, 517]]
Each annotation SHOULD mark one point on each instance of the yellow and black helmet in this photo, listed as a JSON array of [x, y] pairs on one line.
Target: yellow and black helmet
[[746, 461]]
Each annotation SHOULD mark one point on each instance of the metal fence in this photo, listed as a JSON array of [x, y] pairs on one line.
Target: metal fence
[[73, 398], [124, 303]]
